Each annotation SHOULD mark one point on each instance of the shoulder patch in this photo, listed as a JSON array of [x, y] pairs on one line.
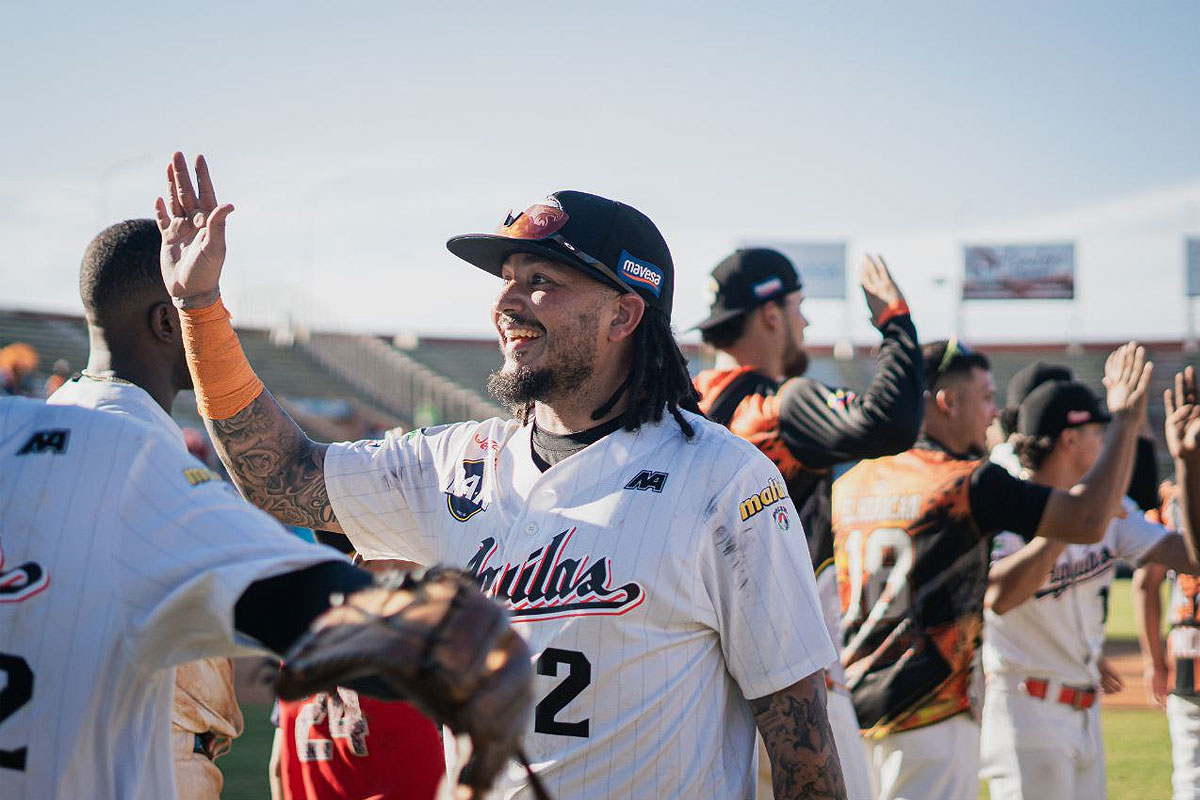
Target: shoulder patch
[[198, 475], [766, 497]]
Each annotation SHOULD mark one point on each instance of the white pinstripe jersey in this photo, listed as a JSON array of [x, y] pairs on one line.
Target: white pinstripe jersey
[[120, 557], [659, 582], [1058, 633]]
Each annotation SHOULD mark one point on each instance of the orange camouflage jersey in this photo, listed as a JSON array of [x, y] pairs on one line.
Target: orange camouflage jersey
[[1183, 640], [912, 538]]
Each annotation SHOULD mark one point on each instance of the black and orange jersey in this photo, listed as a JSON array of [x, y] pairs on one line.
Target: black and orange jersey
[[1183, 640], [912, 538], [806, 427]]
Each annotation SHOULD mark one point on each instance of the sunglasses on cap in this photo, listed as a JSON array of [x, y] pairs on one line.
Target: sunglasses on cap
[[543, 222]]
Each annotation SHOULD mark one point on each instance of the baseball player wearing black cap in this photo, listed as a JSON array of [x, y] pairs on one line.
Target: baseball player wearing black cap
[[912, 538], [642, 550], [1047, 602], [804, 426]]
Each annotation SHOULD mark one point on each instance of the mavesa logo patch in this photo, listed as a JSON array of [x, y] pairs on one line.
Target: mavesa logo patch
[[641, 273]]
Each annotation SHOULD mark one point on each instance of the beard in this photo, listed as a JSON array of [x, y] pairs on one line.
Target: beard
[[795, 359], [795, 363], [569, 362]]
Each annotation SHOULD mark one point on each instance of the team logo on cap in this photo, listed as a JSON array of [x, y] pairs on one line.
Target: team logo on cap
[[768, 287], [636, 272], [1078, 417]]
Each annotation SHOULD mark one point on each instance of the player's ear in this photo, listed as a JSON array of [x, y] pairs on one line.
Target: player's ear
[[164, 322], [628, 313], [945, 400], [771, 315]]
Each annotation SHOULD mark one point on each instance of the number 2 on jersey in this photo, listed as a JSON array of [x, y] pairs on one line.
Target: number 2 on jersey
[[578, 677], [16, 692]]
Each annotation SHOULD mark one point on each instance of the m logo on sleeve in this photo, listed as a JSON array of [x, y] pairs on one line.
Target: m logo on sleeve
[[648, 480], [49, 441]]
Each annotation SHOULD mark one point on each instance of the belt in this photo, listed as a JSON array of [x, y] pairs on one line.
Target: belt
[[203, 744], [1078, 697]]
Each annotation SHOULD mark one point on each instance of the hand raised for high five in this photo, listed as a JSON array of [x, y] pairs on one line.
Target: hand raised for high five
[[878, 285], [193, 235], [1183, 417], [1127, 376]]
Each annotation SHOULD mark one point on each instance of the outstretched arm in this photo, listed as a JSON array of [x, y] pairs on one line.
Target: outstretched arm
[[799, 741], [1013, 579], [274, 465], [1183, 443], [822, 426], [1082, 514], [272, 462]]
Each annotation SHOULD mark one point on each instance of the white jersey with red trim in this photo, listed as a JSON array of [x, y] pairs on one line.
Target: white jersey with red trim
[[120, 557], [1058, 633], [659, 581]]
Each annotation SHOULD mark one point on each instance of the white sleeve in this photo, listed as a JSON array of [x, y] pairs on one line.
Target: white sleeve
[[1135, 535], [379, 489], [759, 577], [187, 548]]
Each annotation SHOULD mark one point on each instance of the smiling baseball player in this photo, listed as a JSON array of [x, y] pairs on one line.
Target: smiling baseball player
[[651, 558], [1047, 603]]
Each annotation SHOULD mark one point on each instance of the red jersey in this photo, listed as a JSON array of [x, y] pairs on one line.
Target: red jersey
[[344, 746]]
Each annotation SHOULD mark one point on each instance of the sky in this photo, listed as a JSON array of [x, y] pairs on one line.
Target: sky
[[356, 138]]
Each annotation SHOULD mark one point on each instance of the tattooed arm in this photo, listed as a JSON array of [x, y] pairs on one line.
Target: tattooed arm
[[274, 465], [804, 759]]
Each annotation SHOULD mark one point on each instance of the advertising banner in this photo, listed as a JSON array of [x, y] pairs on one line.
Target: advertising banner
[[1019, 272]]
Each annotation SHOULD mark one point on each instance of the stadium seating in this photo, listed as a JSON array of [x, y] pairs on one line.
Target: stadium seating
[[433, 380]]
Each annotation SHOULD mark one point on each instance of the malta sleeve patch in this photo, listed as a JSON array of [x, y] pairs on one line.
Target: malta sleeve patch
[[198, 475]]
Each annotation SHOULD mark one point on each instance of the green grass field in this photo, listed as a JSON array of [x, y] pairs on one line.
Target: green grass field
[[1138, 750], [245, 765]]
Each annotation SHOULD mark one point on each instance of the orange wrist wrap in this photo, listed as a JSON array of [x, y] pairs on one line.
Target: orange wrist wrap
[[222, 377], [896, 308]]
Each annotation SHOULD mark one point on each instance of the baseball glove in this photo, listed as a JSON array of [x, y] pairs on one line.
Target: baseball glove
[[435, 641]]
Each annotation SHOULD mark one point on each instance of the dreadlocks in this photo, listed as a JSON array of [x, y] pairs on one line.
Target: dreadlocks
[[658, 377]]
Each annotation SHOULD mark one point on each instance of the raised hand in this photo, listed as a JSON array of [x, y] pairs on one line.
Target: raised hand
[[1127, 376], [193, 234], [877, 284], [1183, 417]]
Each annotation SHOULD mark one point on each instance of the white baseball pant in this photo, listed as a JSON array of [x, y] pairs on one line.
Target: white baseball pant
[[937, 762], [1034, 748], [1183, 722]]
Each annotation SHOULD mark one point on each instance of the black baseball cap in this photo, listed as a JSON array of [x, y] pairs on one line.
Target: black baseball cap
[[1057, 405], [745, 280], [1031, 376], [609, 241]]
